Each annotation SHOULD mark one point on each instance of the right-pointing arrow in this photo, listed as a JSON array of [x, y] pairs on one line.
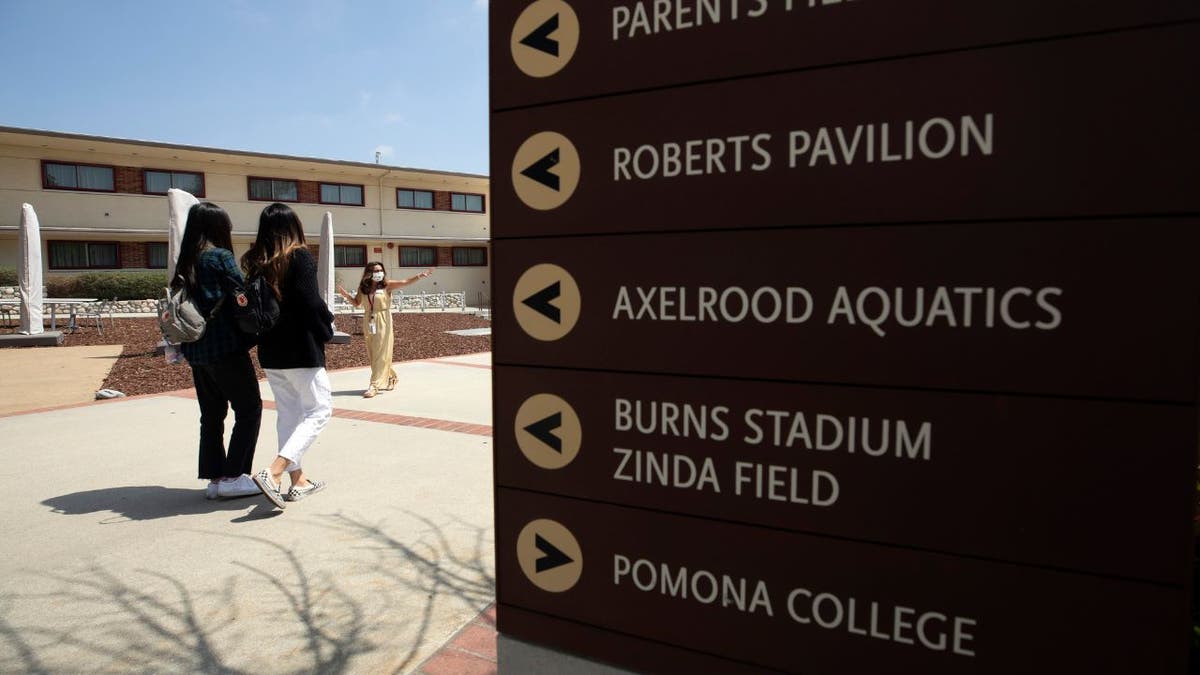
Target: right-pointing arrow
[[540, 302], [552, 558], [539, 171], [540, 39], [542, 430]]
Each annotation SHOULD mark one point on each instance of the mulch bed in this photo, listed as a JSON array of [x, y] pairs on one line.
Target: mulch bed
[[139, 370]]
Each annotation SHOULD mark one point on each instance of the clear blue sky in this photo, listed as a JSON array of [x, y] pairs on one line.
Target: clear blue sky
[[335, 79]]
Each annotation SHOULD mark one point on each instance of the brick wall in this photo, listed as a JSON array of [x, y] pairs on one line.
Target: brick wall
[[445, 256], [128, 179], [441, 201], [309, 191], [133, 254]]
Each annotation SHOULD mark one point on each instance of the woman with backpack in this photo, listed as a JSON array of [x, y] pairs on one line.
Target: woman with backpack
[[220, 359], [375, 291], [292, 352]]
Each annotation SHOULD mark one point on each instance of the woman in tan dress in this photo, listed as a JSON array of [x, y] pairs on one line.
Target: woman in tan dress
[[374, 294]]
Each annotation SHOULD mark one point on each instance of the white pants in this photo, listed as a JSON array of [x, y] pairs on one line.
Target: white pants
[[303, 406]]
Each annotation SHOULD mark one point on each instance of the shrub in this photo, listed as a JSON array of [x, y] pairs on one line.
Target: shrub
[[102, 285], [119, 285], [61, 287]]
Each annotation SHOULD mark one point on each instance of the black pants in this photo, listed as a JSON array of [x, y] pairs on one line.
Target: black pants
[[219, 386]]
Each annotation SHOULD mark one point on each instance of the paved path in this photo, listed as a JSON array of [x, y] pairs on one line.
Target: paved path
[[43, 377], [114, 562]]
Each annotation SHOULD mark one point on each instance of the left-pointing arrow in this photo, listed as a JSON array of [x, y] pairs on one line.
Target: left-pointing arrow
[[552, 556], [540, 39], [543, 431], [540, 170], [540, 302]]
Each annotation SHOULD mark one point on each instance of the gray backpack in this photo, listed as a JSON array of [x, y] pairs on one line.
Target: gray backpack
[[179, 317]]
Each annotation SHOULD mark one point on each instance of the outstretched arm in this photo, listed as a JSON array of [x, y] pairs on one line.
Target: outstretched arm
[[397, 283], [352, 299]]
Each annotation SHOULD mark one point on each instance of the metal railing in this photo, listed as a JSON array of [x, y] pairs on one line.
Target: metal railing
[[483, 305]]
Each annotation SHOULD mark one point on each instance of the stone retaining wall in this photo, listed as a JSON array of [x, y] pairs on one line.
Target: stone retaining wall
[[118, 306], [455, 301]]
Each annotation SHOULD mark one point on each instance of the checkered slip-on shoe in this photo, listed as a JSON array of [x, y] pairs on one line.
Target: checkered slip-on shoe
[[270, 488], [296, 493]]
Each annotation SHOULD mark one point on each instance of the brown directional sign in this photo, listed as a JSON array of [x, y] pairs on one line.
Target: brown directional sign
[[1085, 485], [803, 603], [558, 49], [1092, 126], [1081, 308], [846, 335]]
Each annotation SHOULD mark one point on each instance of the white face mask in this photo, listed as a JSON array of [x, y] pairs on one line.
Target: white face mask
[[377, 276]]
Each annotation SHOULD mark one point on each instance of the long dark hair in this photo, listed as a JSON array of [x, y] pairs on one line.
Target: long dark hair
[[279, 233], [208, 226], [368, 285]]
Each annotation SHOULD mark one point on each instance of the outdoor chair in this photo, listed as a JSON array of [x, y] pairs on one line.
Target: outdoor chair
[[97, 311]]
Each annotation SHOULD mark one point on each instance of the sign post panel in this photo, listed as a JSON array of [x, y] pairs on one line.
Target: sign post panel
[[802, 603], [1092, 126], [547, 50], [1074, 308], [1095, 486]]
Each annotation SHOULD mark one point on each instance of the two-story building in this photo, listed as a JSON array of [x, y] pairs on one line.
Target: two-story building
[[101, 204]]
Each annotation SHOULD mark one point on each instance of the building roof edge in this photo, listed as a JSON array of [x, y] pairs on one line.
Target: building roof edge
[[227, 151]]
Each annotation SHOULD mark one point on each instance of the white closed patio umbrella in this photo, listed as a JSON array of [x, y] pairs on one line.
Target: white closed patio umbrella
[[325, 279], [29, 281], [325, 261], [179, 202]]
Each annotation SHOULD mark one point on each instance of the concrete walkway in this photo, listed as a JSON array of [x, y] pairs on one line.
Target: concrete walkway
[[45, 377], [113, 561]]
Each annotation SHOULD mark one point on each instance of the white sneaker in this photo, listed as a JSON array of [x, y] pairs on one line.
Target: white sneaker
[[210, 490], [242, 486]]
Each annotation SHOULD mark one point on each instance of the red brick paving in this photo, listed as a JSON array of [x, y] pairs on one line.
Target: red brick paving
[[471, 651]]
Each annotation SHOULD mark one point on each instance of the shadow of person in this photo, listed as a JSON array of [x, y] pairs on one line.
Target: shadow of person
[[142, 502]]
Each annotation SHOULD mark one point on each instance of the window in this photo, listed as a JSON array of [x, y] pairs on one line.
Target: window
[[418, 256], [274, 190], [336, 193], [156, 255], [155, 182], [83, 254], [414, 199], [59, 176], [349, 256], [466, 202], [470, 257]]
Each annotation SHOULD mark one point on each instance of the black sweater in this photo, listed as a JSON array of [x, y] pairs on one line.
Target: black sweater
[[305, 323]]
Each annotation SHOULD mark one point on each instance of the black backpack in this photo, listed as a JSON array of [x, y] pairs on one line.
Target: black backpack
[[255, 309]]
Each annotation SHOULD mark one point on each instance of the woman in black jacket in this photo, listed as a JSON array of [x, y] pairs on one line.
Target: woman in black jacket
[[292, 353], [220, 359]]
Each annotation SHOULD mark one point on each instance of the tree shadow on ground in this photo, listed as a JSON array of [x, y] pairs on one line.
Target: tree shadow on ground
[[149, 621], [465, 578]]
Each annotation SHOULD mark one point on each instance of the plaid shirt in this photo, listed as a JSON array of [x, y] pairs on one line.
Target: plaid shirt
[[217, 276]]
